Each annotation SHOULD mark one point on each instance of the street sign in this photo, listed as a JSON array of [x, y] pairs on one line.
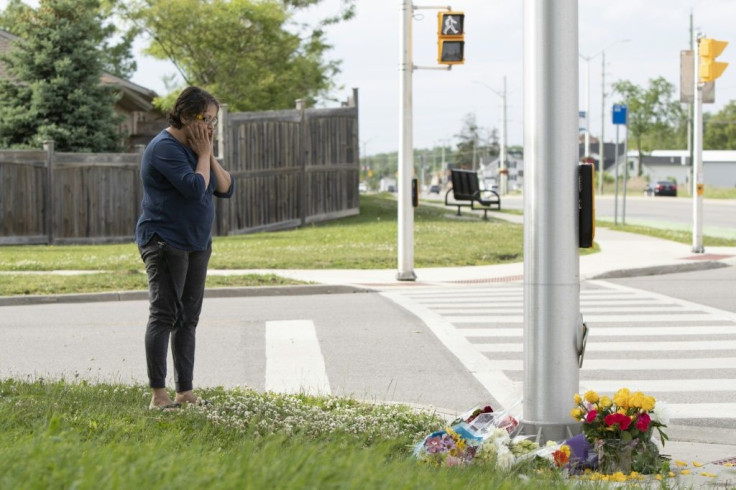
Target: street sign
[[619, 114]]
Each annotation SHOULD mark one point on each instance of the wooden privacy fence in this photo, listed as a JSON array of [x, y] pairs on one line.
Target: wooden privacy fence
[[290, 168]]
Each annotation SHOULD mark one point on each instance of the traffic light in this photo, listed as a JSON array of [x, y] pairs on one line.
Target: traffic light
[[710, 49], [450, 38]]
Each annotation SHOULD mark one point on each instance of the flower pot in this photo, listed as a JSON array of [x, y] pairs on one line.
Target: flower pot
[[614, 455]]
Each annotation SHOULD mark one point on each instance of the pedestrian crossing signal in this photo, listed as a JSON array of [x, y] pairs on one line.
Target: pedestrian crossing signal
[[450, 38], [586, 205]]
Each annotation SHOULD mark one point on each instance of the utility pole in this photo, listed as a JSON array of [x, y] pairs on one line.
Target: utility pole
[[602, 141], [551, 264]]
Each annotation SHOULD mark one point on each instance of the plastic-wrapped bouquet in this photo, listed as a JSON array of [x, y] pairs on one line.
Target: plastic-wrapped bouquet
[[478, 436]]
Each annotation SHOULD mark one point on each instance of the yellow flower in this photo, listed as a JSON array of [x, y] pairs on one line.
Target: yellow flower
[[680, 463], [591, 397], [621, 398], [685, 472], [576, 413], [636, 400], [709, 475], [577, 399], [697, 465], [605, 403], [648, 404]]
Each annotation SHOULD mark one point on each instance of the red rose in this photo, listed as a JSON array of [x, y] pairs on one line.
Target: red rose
[[590, 416], [642, 423], [622, 420]]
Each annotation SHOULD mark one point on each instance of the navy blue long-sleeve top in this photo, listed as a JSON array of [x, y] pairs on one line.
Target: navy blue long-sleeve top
[[176, 203]]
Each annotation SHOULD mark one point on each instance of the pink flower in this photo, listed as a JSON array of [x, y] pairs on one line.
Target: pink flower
[[642, 423], [590, 416]]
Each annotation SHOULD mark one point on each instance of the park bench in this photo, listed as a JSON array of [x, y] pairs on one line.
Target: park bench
[[466, 192]]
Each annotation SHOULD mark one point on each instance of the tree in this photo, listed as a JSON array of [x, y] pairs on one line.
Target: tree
[[720, 129], [475, 143], [656, 119], [117, 58], [54, 90], [240, 50]]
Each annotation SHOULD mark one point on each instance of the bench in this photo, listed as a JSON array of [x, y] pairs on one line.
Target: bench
[[466, 192]]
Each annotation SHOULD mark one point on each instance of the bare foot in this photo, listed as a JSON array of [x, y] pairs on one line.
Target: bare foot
[[160, 399]]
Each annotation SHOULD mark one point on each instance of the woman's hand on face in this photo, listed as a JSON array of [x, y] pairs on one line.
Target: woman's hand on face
[[199, 138]]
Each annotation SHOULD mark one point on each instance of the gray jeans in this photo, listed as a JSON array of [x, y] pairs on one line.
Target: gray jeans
[[175, 291]]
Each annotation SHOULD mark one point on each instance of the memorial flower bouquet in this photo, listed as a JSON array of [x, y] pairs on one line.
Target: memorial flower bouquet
[[621, 428]]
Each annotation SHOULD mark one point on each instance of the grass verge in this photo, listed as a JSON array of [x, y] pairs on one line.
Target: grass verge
[[15, 284], [367, 241], [679, 236], [58, 434]]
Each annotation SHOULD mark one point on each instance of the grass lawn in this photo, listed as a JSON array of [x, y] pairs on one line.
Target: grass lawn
[[59, 434]]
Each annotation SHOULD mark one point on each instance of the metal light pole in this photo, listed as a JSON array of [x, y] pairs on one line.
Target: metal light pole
[[551, 264], [601, 145], [503, 175]]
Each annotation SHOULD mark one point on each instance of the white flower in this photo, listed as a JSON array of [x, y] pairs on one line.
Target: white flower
[[504, 458], [661, 413]]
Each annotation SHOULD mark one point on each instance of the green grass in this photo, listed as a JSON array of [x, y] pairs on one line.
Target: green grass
[[679, 236], [14, 284], [59, 434], [367, 241]]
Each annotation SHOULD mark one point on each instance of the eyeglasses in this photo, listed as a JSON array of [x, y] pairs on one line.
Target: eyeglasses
[[212, 121]]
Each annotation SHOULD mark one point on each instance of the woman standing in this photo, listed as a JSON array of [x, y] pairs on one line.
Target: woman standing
[[180, 175]]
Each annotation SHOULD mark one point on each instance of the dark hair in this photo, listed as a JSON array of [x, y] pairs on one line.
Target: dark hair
[[191, 101]]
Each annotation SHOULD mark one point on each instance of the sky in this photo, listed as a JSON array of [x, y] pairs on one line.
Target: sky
[[642, 41]]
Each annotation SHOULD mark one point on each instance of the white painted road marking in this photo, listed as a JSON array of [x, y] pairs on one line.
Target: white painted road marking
[[294, 361]]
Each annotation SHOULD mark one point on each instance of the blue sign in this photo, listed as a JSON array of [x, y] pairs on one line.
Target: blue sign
[[619, 114]]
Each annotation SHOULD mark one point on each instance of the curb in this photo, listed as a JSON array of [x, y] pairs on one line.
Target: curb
[[662, 269], [209, 293]]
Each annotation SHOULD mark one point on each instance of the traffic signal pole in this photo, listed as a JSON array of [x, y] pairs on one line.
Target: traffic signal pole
[[450, 52], [697, 157], [551, 264], [405, 242]]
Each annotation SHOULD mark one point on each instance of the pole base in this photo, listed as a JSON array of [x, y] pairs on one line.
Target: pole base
[[547, 431], [406, 276], [698, 249]]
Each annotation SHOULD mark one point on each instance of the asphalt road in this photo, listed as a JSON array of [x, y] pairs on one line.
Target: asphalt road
[[719, 215]]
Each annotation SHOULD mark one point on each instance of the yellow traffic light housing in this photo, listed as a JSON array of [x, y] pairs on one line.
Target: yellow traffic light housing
[[450, 38], [709, 68]]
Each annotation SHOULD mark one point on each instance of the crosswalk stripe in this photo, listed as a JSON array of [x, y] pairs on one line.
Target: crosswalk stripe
[[491, 312], [594, 332], [633, 364], [596, 318], [653, 386], [702, 411], [592, 346], [294, 361]]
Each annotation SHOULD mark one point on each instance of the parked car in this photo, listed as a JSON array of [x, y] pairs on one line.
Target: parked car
[[362, 187], [661, 188], [434, 189]]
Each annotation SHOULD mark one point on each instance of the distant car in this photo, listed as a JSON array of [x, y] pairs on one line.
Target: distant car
[[661, 188], [434, 189], [362, 187], [391, 188]]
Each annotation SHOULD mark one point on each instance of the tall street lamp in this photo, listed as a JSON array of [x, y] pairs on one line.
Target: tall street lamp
[[502, 171], [601, 144]]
